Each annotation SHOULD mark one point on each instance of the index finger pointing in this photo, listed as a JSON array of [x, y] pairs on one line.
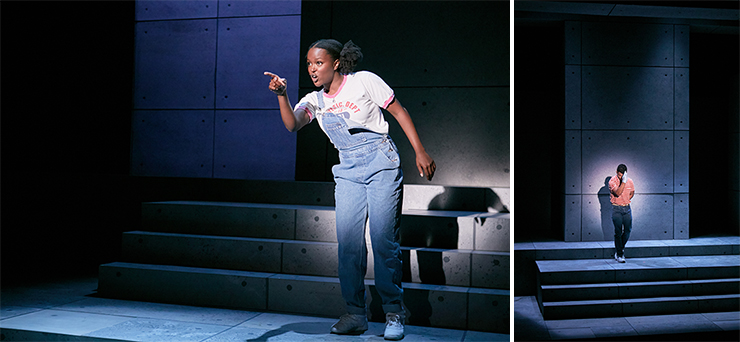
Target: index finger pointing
[[271, 74]]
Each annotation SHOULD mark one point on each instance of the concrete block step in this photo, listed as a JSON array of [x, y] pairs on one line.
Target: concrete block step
[[420, 228], [527, 253], [422, 265], [430, 305], [640, 306], [592, 271], [416, 196], [602, 291]]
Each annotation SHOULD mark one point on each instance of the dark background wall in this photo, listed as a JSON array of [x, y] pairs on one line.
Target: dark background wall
[[540, 153]]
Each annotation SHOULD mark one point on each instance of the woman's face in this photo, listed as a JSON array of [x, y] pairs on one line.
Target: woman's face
[[320, 67]]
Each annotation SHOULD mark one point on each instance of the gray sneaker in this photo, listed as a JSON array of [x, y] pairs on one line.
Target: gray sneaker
[[393, 326], [350, 324]]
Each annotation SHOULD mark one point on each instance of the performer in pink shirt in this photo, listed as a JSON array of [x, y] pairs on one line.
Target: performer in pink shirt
[[621, 191]]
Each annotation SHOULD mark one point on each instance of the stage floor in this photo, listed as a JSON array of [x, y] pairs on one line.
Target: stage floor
[[69, 310]]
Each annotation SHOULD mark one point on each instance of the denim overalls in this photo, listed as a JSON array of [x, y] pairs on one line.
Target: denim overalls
[[368, 185]]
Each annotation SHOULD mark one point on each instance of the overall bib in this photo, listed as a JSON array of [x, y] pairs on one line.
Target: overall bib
[[368, 186]]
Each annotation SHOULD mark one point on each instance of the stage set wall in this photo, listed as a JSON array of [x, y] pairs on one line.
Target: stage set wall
[[593, 94], [626, 102], [202, 108]]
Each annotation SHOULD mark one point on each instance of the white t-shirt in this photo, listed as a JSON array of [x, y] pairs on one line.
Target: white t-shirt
[[358, 99]]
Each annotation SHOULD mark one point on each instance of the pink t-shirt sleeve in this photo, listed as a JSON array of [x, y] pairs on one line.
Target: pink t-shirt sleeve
[[307, 103]]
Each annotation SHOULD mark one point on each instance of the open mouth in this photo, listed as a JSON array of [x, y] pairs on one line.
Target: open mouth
[[314, 78]]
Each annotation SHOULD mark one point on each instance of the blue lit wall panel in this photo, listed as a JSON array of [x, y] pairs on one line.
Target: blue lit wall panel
[[681, 162], [681, 96], [681, 216], [247, 47], [627, 98], [573, 42], [469, 142], [652, 218], [627, 44], [596, 218], [172, 143], [681, 48], [240, 8], [175, 64], [572, 224], [167, 10], [647, 154], [572, 162], [572, 97], [253, 144]]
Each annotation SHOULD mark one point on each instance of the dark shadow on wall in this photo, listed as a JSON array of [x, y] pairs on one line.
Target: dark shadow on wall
[[607, 227], [467, 199]]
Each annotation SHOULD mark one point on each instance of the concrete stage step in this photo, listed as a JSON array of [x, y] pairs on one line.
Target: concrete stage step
[[455, 267], [428, 305], [528, 253], [419, 228], [641, 286]]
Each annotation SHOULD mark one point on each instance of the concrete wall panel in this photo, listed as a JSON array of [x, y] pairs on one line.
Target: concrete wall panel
[[627, 98], [652, 218], [243, 151], [647, 154], [681, 216], [175, 62], [573, 42], [240, 8], [477, 151], [573, 172], [572, 97], [168, 10], [681, 34], [172, 143], [572, 224], [596, 224], [627, 44], [681, 111], [243, 44], [681, 162]]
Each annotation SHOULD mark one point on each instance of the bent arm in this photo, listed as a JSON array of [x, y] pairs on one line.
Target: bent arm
[[424, 162], [619, 190], [293, 120]]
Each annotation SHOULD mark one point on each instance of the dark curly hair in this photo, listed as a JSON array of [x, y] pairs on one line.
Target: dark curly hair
[[349, 55], [622, 168]]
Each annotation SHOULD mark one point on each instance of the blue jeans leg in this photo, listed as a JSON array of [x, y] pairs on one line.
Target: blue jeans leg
[[622, 219], [351, 212], [385, 193]]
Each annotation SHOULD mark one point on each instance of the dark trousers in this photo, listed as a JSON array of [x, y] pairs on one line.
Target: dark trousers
[[622, 218]]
